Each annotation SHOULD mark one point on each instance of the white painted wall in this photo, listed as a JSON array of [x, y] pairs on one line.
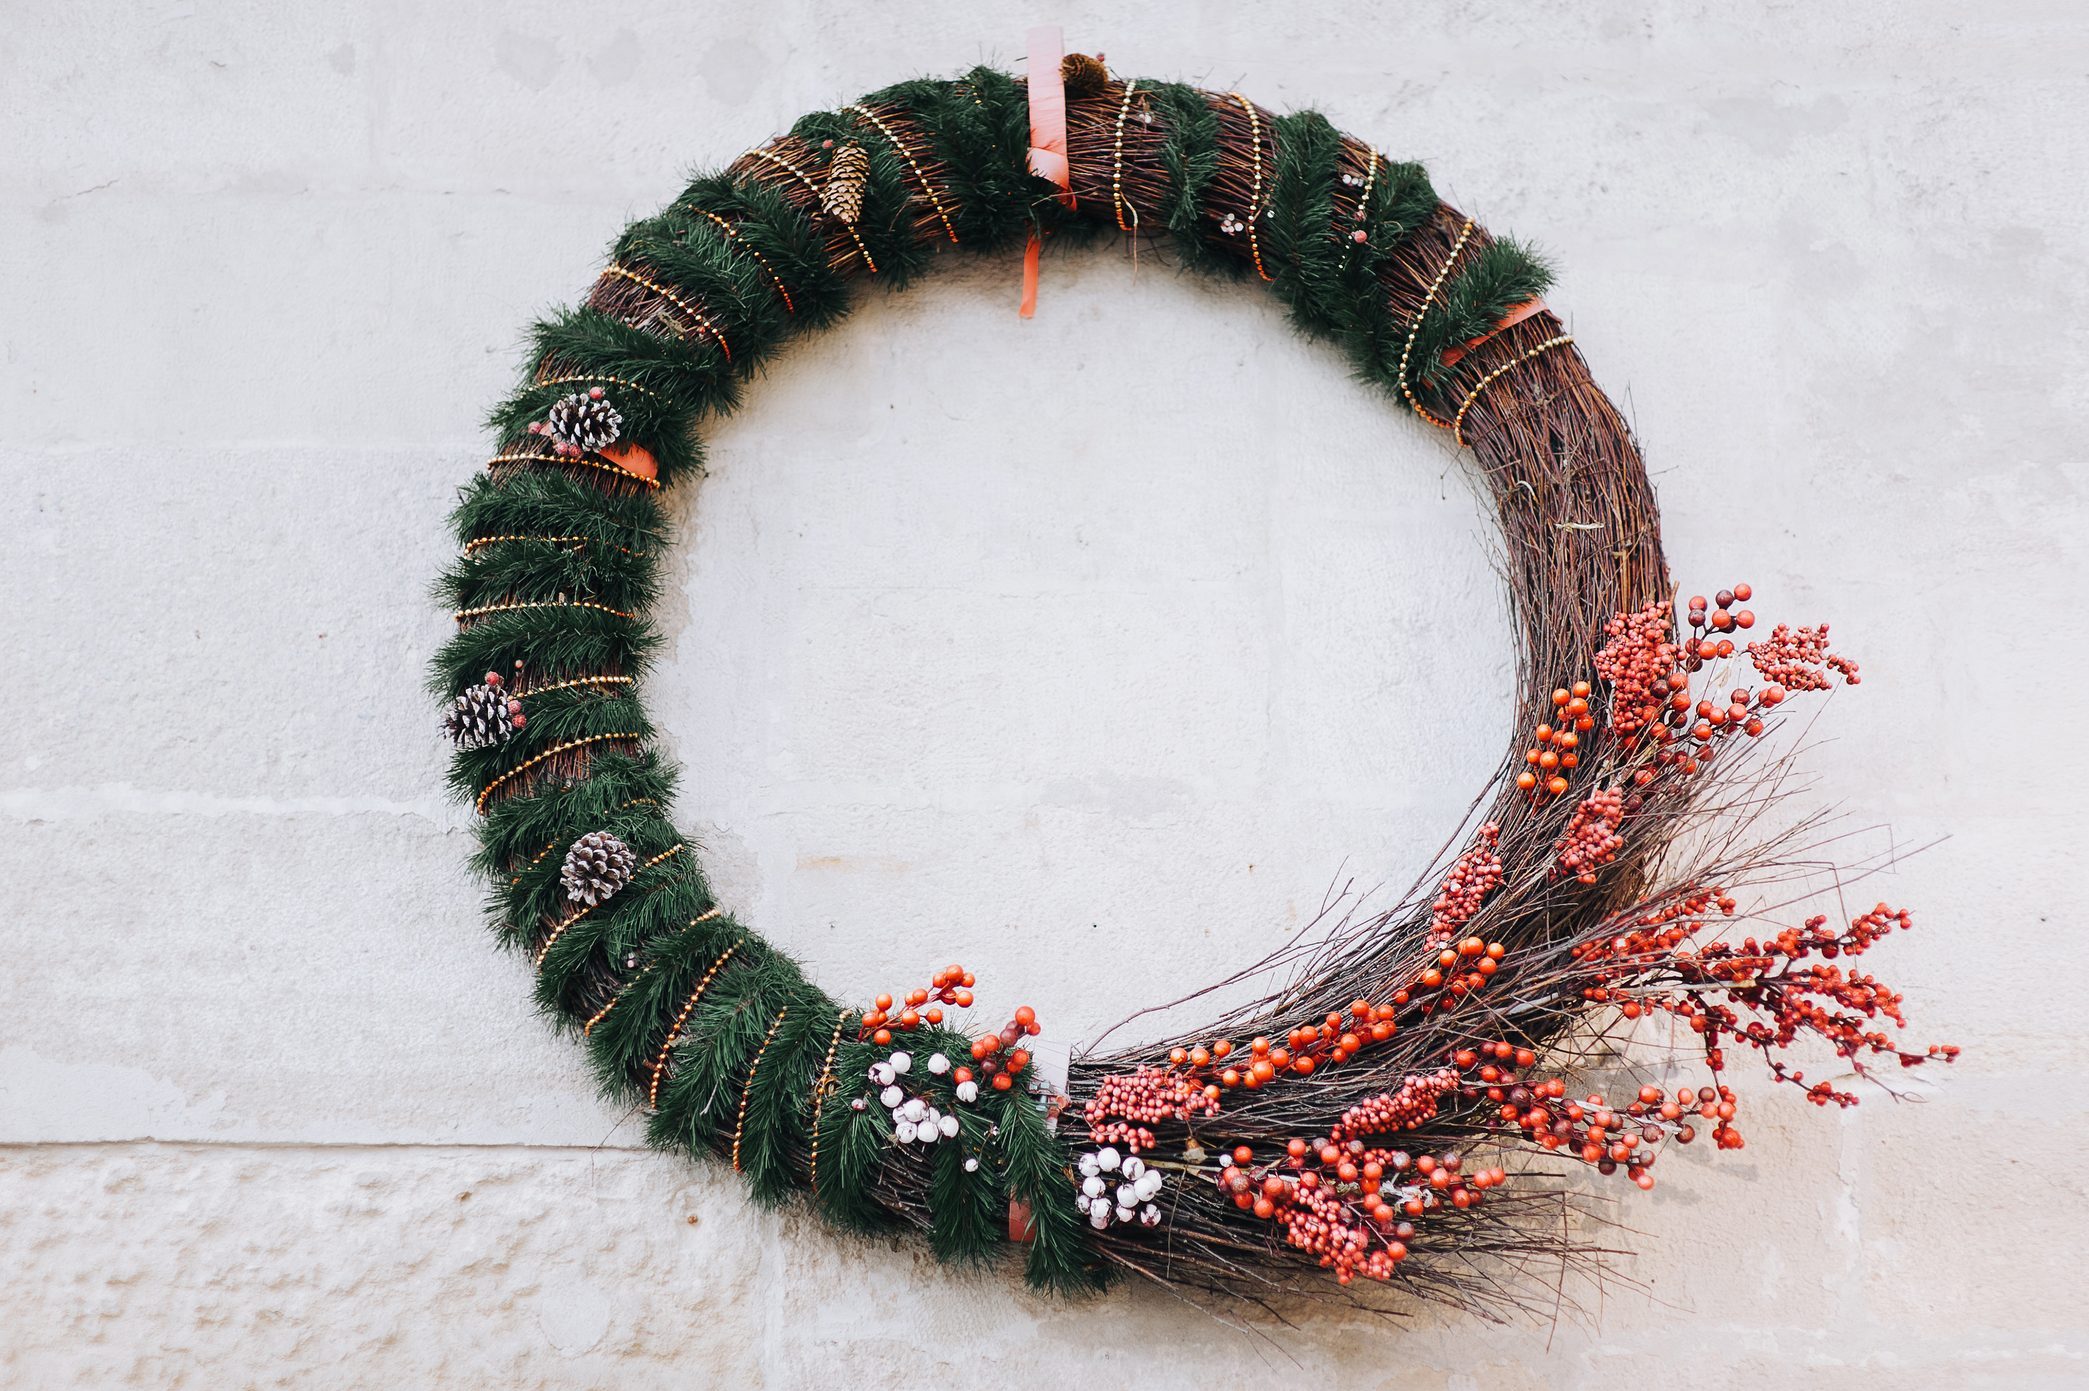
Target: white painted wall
[[1097, 699]]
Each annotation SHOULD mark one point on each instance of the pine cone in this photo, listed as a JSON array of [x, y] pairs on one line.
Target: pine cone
[[846, 176], [1081, 75], [483, 716], [586, 421], [597, 866]]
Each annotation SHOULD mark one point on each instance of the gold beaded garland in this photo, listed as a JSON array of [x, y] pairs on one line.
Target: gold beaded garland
[[580, 460], [1117, 160], [523, 767], [1255, 197], [515, 605], [675, 1030], [732, 234], [1559, 340], [820, 1089], [603, 1013], [476, 542], [740, 1124], [703, 320], [559, 930], [573, 377], [780, 162], [569, 685], [908, 155], [1414, 330]]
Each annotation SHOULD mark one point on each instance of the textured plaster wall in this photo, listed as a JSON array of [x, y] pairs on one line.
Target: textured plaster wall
[[1089, 651]]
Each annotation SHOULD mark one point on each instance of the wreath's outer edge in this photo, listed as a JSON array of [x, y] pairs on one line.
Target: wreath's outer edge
[[721, 1035]]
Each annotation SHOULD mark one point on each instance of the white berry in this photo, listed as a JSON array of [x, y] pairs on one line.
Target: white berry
[[905, 1132], [948, 1125], [968, 1092], [1107, 1158], [902, 1063], [938, 1064], [1093, 1186], [892, 1097], [1133, 1167]]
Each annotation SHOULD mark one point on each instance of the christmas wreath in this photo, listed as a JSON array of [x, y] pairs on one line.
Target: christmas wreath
[[1411, 1101]]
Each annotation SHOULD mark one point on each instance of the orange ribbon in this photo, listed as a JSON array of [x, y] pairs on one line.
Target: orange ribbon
[[1514, 316], [1047, 140]]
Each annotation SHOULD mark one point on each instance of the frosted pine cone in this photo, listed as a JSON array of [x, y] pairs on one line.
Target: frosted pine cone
[[483, 716], [842, 198], [586, 421], [597, 866]]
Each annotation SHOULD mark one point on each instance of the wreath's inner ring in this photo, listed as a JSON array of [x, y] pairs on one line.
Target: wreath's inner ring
[[1047, 652]]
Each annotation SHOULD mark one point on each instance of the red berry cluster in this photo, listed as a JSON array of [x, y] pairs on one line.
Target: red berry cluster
[[1349, 1204], [1799, 659], [1724, 618], [1126, 1103], [1636, 662], [516, 719], [1591, 839], [1648, 703], [999, 1058], [1407, 1106], [1461, 969], [1765, 993], [1555, 750], [952, 986], [1590, 1129], [1475, 875]]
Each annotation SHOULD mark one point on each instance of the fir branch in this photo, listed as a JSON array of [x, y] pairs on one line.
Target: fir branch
[[658, 901], [553, 644], [886, 223], [522, 826], [1033, 1163], [535, 890], [701, 1096], [853, 1144], [790, 245], [1190, 155], [624, 1045], [1494, 280], [553, 718], [545, 502], [779, 1099]]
